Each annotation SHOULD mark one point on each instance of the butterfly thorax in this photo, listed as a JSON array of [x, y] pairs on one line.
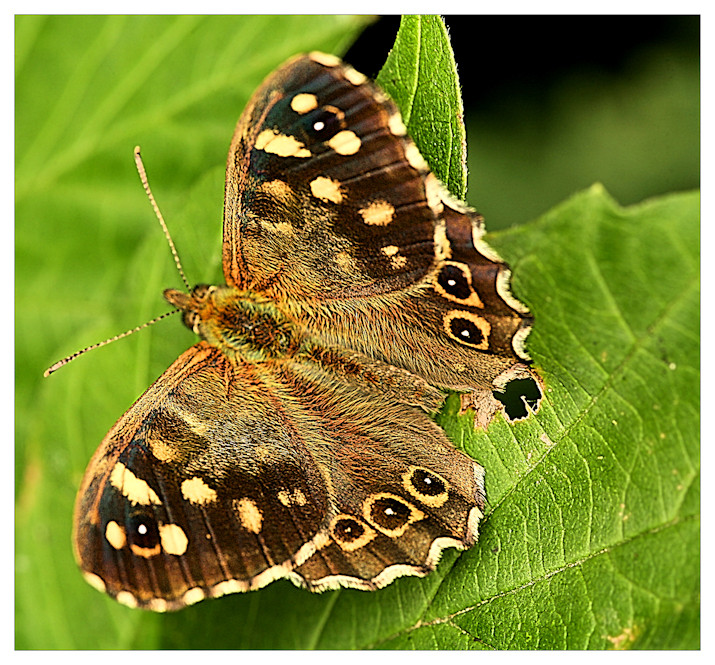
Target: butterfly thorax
[[239, 323]]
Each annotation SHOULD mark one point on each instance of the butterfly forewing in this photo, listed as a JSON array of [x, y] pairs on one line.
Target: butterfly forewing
[[185, 492], [322, 188], [331, 208]]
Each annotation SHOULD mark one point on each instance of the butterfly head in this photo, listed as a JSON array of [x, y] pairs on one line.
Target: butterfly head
[[191, 304]]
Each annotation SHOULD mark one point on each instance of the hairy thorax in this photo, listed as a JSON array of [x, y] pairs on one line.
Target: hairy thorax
[[240, 323]]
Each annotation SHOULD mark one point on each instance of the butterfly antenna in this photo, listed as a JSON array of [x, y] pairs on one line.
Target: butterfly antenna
[[147, 189], [76, 354]]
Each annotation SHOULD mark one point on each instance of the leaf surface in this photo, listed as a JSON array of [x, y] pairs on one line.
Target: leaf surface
[[420, 74]]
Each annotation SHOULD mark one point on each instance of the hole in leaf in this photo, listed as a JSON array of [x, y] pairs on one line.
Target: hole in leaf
[[517, 395]]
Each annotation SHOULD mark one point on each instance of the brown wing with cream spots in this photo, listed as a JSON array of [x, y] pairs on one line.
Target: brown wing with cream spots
[[224, 477], [204, 487], [324, 191]]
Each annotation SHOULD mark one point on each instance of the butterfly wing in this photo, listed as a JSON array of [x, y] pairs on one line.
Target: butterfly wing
[[225, 476], [177, 501], [318, 185], [330, 207], [400, 491]]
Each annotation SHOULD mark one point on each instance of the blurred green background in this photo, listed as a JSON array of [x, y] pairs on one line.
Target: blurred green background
[[556, 103], [552, 104]]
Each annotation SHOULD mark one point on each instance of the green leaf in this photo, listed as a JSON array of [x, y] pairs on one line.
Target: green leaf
[[591, 538], [592, 535], [420, 75]]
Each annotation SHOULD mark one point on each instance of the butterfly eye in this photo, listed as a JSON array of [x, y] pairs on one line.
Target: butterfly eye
[[191, 321]]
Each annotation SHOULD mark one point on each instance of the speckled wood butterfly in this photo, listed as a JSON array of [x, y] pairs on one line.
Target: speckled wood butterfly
[[294, 439]]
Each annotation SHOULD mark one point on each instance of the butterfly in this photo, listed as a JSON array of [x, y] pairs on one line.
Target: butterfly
[[295, 439]]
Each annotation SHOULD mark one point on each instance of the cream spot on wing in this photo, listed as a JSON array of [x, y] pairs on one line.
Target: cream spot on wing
[[95, 581], [397, 261], [194, 595], [116, 535], [264, 454], [433, 191], [196, 490], [126, 598], [272, 141], [380, 96], [304, 102], [345, 261], [518, 343], [173, 539], [326, 189], [146, 552], [271, 574], [503, 285], [442, 247], [278, 188], [345, 142], [327, 59], [158, 605], [414, 158], [229, 586], [338, 113], [292, 498], [135, 489], [378, 213], [197, 425], [355, 77], [161, 449], [397, 127], [284, 228], [250, 514], [265, 137]]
